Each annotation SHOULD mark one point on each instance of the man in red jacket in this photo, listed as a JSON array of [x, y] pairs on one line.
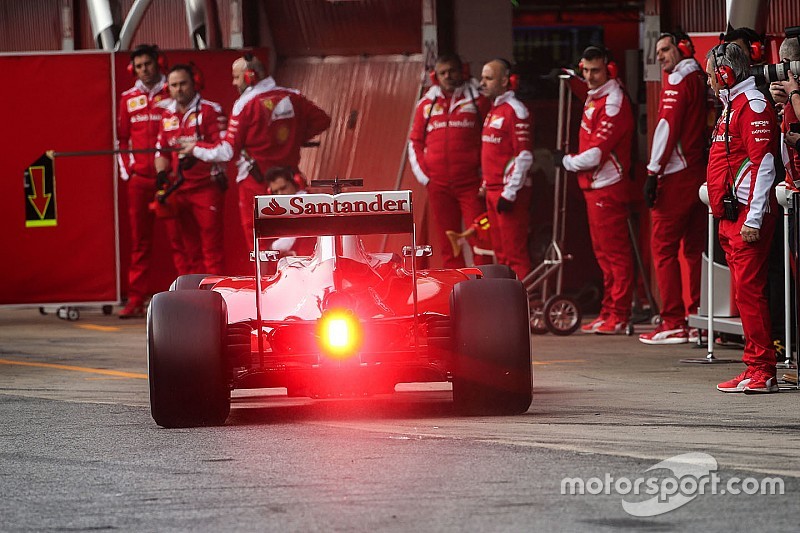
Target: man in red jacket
[[602, 165], [268, 126], [196, 223], [138, 121], [444, 151], [506, 158], [741, 170], [674, 174]]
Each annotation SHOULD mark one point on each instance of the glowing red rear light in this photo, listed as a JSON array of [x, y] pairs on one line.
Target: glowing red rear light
[[340, 334]]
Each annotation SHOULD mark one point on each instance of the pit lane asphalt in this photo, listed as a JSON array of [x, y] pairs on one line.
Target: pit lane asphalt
[[79, 451]]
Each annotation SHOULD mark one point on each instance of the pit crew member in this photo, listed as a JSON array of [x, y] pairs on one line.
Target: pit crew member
[[268, 125], [444, 151], [197, 222], [603, 164], [138, 121], [741, 170], [506, 158], [674, 174]]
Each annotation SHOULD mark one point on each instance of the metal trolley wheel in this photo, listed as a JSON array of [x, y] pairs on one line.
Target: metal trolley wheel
[[562, 316], [538, 325]]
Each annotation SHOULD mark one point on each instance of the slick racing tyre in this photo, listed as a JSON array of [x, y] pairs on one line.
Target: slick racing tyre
[[492, 344], [187, 282], [497, 271], [188, 375]]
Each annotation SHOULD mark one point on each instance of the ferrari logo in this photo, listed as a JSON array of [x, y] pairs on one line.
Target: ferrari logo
[[269, 104]]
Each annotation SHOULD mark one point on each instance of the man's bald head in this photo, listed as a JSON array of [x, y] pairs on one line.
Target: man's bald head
[[242, 65], [495, 78]]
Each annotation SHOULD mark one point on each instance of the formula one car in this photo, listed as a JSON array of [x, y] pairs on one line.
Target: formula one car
[[341, 322]]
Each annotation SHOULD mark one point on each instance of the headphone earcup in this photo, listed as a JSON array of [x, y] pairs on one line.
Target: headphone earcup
[[130, 70], [465, 73], [685, 48], [612, 70], [756, 52], [513, 82], [725, 76], [162, 62], [433, 78], [299, 181], [250, 77]]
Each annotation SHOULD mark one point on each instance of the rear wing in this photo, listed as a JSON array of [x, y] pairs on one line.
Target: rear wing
[[311, 215]]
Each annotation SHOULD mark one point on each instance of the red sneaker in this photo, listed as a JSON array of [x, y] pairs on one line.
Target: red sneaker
[[134, 309], [612, 326], [762, 382], [663, 335], [738, 383], [592, 326]]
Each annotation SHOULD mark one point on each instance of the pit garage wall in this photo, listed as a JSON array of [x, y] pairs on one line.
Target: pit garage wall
[[371, 101]]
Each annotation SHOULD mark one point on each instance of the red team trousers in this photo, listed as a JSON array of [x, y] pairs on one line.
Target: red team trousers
[[509, 231], [141, 192], [678, 218], [449, 202], [748, 264], [199, 219], [607, 211]]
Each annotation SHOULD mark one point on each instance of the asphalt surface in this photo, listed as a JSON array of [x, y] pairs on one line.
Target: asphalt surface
[[79, 451]]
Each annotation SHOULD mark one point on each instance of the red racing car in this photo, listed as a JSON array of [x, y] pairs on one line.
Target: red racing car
[[340, 322]]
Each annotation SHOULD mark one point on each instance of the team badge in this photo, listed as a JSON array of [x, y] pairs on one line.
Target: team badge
[[170, 123], [137, 103], [282, 134], [496, 122]]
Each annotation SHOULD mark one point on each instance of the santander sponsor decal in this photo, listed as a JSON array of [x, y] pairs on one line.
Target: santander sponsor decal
[[361, 203]]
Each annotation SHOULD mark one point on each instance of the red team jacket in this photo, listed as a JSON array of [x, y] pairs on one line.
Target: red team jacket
[[271, 125], [752, 131], [204, 120], [605, 138], [445, 140], [138, 122], [507, 147], [680, 136]]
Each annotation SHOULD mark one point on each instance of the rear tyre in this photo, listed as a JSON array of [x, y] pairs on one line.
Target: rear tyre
[[562, 316], [497, 271], [188, 282], [492, 344], [188, 375]]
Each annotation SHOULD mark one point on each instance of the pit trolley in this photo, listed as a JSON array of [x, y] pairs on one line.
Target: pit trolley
[[550, 310]]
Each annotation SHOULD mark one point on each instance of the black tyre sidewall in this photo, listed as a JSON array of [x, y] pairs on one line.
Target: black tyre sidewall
[[188, 375], [492, 347]]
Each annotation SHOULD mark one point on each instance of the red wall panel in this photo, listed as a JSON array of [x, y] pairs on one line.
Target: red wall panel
[[74, 260]]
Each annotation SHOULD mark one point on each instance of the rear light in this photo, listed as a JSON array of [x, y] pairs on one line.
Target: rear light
[[340, 334]]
